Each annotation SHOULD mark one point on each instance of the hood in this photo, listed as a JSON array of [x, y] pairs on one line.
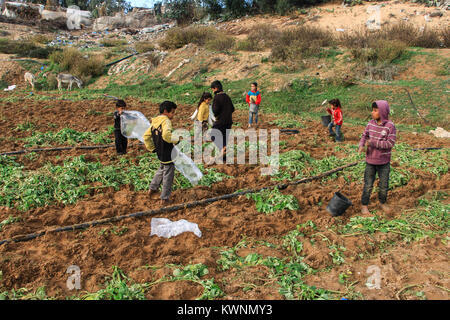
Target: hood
[[383, 109], [156, 122]]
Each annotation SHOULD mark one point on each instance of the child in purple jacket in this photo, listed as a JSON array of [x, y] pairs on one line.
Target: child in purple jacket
[[379, 136]]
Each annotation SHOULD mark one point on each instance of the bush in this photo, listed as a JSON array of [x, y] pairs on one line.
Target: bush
[[144, 46], [303, 41], [263, 35], [73, 61], [379, 52], [247, 45], [445, 34], [113, 42], [427, 39], [223, 43], [24, 48], [178, 37], [403, 32]]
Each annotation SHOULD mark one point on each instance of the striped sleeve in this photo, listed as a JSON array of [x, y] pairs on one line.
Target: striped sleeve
[[364, 136]]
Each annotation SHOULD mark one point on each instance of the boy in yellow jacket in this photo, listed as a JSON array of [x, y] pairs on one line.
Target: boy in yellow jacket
[[158, 138]]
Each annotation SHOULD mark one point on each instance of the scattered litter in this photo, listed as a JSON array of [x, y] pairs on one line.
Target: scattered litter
[[10, 88], [340, 30], [440, 133], [427, 18], [165, 228]]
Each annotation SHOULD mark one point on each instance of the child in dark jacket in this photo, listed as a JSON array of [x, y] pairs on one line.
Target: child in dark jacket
[[158, 138], [337, 120], [380, 137], [120, 141]]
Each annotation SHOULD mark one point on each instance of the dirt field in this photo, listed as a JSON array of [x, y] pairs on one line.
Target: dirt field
[[43, 261]]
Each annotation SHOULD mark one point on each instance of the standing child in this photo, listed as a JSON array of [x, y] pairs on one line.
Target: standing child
[[158, 138], [121, 141], [253, 99], [337, 120], [380, 136], [203, 111]]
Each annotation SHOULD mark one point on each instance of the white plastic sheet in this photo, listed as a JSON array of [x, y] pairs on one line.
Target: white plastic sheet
[[163, 227], [133, 124], [187, 167]]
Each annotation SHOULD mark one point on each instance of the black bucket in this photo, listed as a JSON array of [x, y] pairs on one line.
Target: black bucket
[[338, 204], [326, 120]]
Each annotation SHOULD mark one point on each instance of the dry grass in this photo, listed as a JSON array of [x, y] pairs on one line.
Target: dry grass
[[178, 37], [221, 44]]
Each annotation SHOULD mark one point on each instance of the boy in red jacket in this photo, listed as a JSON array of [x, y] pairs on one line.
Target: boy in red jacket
[[336, 113], [253, 99], [380, 136]]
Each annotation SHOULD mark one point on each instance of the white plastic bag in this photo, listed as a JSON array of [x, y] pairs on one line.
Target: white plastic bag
[[186, 166], [194, 115], [133, 124], [211, 118], [163, 227]]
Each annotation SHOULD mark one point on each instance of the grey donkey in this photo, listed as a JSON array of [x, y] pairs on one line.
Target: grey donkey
[[68, 78]]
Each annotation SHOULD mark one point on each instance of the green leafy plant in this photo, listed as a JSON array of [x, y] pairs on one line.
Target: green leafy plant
[[268, 201]]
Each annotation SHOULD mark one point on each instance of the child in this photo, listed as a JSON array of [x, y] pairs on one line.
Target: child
[[203, 110], [380, 136], [253, 99], [121, 141], [336, 112], [158, 138]]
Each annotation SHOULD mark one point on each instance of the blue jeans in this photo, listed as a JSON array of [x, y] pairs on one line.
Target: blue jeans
[[369, 178], [251, 116], [338, 131]]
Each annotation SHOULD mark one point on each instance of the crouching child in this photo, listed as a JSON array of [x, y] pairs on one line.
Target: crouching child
[[158, 138], [380, 137]]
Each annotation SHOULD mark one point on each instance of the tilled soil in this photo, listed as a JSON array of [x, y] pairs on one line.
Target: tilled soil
[[44, 261]]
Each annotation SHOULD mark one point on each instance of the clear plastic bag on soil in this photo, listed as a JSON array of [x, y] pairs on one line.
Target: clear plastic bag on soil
[[133, 124], [186, 166], [163, 227]]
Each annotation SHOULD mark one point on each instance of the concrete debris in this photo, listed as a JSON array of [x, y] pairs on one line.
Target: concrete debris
[[182, 63]]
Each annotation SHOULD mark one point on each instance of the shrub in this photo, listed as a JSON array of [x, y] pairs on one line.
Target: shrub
[[144, 46], [427, 39], [178, 37], [113, 42], [303, 41], [73, 61], [24, 48], [223, 43], [379, 52], [445, 34], [247, 45], [264, 35]]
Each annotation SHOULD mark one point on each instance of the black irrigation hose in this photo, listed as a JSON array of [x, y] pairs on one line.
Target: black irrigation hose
[[104, 146], [21, 238], [117, 61], [289, 131], [417, 149]]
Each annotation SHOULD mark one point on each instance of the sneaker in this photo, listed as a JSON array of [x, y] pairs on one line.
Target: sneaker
[[365, 210], [385, 208], [151, 193]]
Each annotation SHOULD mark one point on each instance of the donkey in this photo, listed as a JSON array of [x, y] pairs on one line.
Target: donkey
[[29, 77], [68, 78]]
